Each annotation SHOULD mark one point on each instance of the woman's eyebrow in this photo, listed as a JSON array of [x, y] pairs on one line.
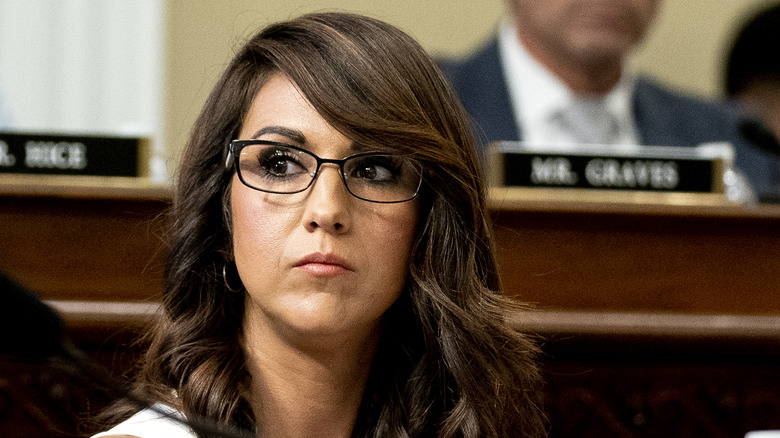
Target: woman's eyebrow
[[297, 137], [293, 134]]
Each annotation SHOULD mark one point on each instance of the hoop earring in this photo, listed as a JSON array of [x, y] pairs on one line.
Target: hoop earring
[[233, 274]]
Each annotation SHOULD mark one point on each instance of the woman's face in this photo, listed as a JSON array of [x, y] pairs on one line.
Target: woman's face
[[321, 262]]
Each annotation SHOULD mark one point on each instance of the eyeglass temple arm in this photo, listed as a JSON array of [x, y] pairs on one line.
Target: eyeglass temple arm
[[229, 159]]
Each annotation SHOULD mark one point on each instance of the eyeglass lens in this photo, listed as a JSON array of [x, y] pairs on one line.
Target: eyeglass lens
[[376, 177]]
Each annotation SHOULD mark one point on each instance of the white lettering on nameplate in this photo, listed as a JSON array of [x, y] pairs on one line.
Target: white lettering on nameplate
[[55, 155], [7, 159], [552, 171], [632, 174]]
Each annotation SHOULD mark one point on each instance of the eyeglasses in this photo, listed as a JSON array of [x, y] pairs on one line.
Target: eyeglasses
[[274, 167]]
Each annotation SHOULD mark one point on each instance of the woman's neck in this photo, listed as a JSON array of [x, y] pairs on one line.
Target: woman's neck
[[307, 390]]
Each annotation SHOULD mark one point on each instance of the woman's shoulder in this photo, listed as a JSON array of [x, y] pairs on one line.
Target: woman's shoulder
[[156, 421]]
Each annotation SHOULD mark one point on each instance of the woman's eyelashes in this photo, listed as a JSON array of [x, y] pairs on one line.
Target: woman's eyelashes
[[281, 164]]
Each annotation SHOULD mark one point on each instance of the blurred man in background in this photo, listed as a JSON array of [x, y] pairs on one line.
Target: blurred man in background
[[556, 74]]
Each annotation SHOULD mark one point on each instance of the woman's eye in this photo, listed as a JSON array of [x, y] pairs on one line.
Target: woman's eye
[[377, 169], [372, 173], [280, 164]]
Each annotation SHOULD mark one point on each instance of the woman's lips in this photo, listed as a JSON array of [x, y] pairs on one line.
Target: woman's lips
[[323, 265]]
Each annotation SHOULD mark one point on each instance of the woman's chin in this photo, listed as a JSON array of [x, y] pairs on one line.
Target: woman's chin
[[321, 325]]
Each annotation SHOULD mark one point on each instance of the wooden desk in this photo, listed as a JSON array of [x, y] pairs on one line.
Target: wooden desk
[[86, 244], [656, 321], [633, 258], [97, 255]]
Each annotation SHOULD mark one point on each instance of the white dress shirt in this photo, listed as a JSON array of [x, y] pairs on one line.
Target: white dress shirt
[[154, 422]]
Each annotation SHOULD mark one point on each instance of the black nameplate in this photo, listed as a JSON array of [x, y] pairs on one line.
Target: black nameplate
[[52, 154], [533, 169]]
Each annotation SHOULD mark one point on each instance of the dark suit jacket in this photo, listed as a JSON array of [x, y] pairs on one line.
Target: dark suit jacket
[[663, 117]]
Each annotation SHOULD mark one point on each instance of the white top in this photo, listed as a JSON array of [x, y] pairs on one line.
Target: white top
[[539, 97], [153, 422]]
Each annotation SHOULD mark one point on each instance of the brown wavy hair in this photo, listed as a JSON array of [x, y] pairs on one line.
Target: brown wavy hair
[[448, 365]]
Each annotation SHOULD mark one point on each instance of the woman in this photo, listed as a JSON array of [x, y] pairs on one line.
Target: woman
[[331, 272]]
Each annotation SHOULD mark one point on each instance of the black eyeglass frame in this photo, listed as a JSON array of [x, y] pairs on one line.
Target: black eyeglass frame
[[235, 147]]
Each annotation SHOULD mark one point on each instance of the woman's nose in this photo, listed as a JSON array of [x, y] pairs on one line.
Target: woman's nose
[[328, 206]]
